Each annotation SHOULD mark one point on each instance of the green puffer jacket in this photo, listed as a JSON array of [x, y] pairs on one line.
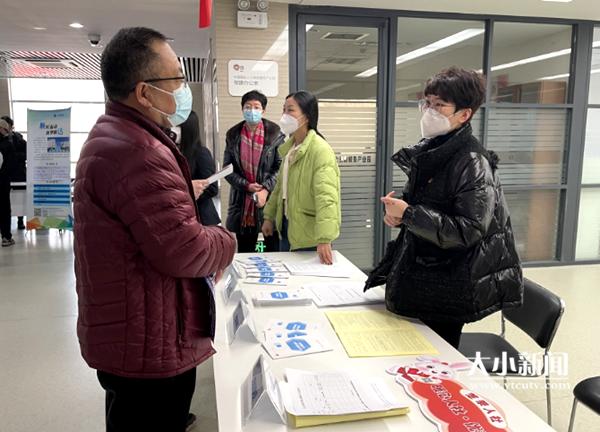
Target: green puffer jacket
[[314, 199]]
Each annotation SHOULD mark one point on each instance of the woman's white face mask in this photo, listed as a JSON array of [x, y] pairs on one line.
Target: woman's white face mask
[[288, 124]]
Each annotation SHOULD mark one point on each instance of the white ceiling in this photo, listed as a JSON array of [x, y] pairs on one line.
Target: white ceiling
[[579, 9], [414, 33], [177, 19]]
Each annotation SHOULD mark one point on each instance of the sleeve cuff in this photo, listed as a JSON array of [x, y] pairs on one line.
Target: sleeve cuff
[[409, 216]]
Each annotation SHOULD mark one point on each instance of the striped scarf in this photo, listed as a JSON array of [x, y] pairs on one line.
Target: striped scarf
[[251, 146]]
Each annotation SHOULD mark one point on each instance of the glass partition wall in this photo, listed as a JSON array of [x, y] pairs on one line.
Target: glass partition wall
[[369, 68]]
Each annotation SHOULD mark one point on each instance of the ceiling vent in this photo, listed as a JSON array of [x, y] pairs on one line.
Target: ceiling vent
[[49, 63], [344, 36]]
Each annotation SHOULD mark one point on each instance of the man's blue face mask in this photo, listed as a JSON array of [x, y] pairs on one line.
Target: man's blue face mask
[[183, 104]]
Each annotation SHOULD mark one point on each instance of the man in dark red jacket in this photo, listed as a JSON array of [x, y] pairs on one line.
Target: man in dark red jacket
[[143, 261]]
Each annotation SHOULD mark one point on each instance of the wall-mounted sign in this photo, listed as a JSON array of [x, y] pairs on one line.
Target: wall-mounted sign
[[246, 75]]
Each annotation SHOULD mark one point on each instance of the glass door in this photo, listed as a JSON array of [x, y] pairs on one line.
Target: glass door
[[339, 60]]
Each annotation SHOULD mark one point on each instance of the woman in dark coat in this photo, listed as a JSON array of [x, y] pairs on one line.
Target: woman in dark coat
[[202, 166], [252, 149], [454, 260]]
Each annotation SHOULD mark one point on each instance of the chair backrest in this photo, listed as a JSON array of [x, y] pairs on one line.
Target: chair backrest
[[540, 314]]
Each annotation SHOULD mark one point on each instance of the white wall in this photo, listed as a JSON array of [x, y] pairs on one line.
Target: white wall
[[233, 43]]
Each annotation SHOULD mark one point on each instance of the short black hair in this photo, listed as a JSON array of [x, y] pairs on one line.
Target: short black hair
[[8, 120], [255, 95], [462, 87], [128, 59]]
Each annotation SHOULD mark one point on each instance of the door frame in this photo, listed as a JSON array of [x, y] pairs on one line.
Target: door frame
[[386, 78]]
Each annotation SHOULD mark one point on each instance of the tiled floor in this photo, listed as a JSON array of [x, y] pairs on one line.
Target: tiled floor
[[46, 386]]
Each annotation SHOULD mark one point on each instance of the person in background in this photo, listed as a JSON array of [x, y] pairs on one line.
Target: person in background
[[7, 150], [20, 171], [144, 264], [202, 166], [305, 205], [251, 147], [454, 260]]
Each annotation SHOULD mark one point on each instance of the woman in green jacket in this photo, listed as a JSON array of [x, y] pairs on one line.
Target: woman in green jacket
[[305, 205]]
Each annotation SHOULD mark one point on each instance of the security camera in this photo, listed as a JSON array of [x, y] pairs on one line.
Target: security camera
[[94, 39]]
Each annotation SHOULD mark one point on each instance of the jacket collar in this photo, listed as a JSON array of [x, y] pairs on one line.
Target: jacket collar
[[122, 111], [435, 152], [304, 146], [117, 109]]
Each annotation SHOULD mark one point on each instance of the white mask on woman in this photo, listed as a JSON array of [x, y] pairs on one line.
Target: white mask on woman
[[288, 124], [434, 124]]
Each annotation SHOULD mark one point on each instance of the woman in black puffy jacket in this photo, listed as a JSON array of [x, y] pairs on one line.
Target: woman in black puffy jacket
[[454, 260]]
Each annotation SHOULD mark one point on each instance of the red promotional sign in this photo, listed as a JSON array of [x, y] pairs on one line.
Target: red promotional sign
[[205, 13], [450, 405]]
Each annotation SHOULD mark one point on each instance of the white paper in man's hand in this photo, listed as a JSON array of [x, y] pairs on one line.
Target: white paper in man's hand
[[220, 174]]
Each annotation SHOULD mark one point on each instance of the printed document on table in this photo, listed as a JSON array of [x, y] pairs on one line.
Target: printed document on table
[[313, 267], [296, 345], [378, 333], [335, 393], [294, 338], [344, 293]]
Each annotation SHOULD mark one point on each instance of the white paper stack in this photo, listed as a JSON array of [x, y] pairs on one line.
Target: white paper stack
[[267, 273], [258, 261], [314, 398], [278, 297], [294, 338], [257, 267], [313, 267], [344, 293], [266, 281]]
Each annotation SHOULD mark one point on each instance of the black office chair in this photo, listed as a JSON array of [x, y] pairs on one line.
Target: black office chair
[[588, 393], [539, 317]]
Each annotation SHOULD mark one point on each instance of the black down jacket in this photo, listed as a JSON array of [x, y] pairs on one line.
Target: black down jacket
[[455, 258], [268, 169]]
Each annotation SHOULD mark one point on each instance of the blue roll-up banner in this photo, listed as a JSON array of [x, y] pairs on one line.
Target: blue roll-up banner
[[49, 169]]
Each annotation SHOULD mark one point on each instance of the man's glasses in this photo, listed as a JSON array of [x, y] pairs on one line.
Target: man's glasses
[[180, 78], [425, 104], [153, 80]]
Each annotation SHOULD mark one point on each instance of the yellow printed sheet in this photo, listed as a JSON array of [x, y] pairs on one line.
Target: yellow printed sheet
[[378, 333]]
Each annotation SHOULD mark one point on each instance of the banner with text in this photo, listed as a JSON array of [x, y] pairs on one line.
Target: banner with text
[[49, 169]]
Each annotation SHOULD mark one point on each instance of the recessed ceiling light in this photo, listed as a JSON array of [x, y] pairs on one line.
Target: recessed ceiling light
[[40, 28], [169, 39], [76, 25]]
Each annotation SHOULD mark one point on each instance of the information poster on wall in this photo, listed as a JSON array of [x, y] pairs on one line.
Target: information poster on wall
[[246, 75], [49, 169]]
